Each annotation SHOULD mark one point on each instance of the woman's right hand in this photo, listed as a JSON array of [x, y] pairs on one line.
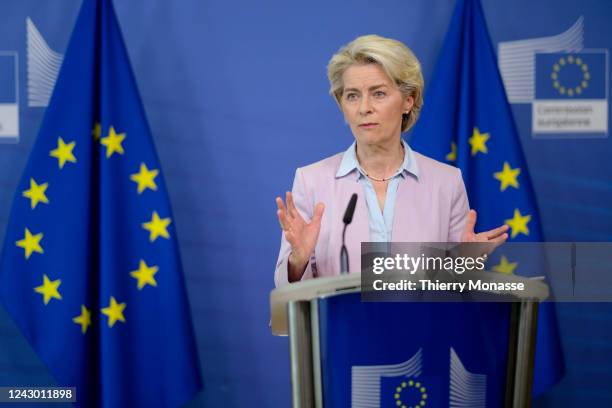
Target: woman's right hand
[[301, 235]]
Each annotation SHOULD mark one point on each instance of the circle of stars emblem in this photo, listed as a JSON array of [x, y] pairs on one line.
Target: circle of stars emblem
[[407, 386], [563, 64]]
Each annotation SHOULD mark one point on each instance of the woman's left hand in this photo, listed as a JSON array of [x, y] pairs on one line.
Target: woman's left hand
[[496, 236]]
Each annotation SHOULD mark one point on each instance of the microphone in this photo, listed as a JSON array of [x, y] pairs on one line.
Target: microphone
[[350, 210], [348, 217]]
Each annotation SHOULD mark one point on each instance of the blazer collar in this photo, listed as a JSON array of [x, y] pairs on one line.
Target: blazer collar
[[350, 164]]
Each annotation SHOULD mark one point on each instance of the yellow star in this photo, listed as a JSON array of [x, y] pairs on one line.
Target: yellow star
[[145, 275], [36, 193], [518, 223], [31, 243], [145, 178], [49, 289], [504, 266], [507, 177], [84, 319], [63, 152], [96, 132], [114, 311], [113, 142], [478, 142], [157, 226], [452, 156]]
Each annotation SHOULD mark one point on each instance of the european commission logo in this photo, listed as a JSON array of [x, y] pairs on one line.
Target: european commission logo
[[405, 385], [566, 84], [42, 64], [571, 93]]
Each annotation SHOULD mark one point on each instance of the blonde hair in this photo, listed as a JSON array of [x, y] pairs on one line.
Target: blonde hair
[[398, 62]]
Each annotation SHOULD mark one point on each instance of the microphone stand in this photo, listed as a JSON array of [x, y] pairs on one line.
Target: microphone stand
[[348, 217], [344, 259]]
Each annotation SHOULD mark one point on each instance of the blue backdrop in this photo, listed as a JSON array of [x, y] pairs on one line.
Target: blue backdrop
[[236, 96]]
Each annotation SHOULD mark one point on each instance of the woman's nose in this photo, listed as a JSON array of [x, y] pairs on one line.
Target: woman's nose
[[365, 106]]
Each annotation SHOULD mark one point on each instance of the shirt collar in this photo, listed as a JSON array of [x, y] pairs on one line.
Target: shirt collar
[[349, 162]]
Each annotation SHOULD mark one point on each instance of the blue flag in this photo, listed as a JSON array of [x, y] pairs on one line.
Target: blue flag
[[467, 122], [90, 270]]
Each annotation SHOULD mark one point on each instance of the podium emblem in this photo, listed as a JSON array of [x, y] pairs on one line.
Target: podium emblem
[[410, 384]]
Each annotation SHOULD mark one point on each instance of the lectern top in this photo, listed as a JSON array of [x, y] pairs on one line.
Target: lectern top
[[535, 290]]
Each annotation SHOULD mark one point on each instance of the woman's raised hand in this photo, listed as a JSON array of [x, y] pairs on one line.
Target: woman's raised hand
[[496, 235], [490, 239], [300, 234], [483, 243]]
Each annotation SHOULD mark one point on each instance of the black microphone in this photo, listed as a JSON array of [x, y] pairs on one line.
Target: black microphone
[[348, 217], [350, 210]]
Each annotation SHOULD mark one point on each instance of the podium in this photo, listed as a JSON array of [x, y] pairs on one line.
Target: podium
[[345, 352]]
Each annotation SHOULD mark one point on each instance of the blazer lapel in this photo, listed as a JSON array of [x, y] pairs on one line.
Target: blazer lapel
[[403, 221]]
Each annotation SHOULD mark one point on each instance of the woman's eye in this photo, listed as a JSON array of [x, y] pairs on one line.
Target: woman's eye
[[379, 94], [351, 96]]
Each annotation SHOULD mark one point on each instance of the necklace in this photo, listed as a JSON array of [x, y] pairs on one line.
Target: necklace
[[387, 178], [379, 179]]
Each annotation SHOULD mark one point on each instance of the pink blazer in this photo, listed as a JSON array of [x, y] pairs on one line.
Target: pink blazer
[[430, 208]]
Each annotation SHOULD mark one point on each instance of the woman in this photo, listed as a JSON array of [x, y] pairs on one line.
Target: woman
[[403, 195]]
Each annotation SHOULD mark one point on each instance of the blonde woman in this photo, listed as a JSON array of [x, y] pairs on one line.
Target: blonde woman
[[403, 196]]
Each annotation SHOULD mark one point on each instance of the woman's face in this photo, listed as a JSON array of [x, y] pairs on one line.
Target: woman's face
[[373, 105]]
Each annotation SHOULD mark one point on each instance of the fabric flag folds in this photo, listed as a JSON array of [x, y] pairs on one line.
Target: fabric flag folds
[[467, 122], [90, 269]]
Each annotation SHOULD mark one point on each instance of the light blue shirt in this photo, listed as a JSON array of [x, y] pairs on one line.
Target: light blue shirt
[[380, 222]]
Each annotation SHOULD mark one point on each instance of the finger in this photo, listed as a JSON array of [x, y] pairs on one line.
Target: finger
[[468, 231], [318, 213], [280, 204], [499, 240], [291, 205], [496, 232], [293, 211], [282, 220], [286, 226], [470, 222]]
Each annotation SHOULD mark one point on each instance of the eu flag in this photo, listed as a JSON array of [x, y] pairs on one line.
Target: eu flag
[[90, 270], [466, 121]]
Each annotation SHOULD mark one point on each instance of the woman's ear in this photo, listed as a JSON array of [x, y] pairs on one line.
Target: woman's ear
[[408, 104]]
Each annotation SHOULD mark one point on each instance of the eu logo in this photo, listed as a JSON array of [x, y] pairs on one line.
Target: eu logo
[[571, 93]]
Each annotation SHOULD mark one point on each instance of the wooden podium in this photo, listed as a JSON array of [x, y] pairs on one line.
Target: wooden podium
[[296, 311]]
